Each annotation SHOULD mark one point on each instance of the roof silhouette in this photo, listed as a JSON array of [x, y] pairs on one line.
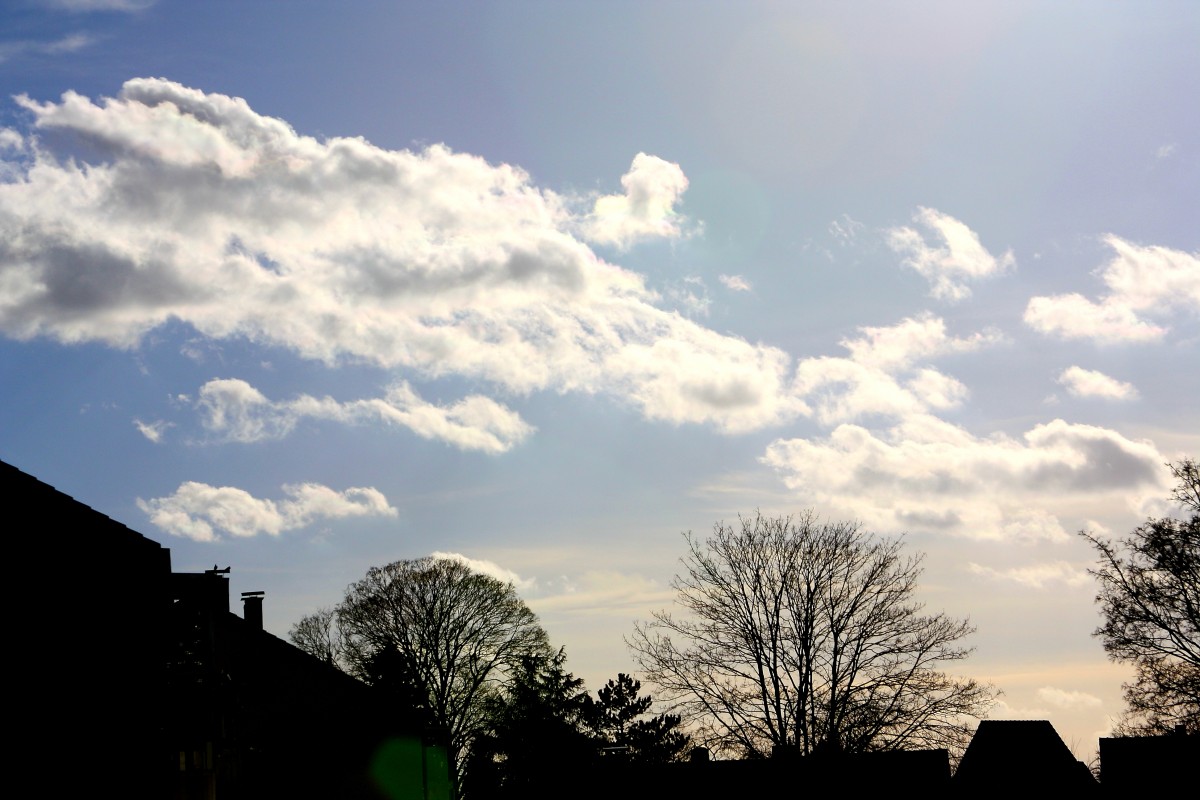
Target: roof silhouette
[[1020, 755]]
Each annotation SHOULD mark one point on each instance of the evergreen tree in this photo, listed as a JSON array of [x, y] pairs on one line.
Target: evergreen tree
[[538, 744], [616, 718]]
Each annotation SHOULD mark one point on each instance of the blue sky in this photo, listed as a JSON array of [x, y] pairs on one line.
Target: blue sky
[[304, 288]]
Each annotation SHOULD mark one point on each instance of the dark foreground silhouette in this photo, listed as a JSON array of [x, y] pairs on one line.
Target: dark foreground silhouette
[[134, 681]]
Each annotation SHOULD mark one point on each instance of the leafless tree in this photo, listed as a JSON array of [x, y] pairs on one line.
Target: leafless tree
[[803, 636], [1150, 599], [319, 635]]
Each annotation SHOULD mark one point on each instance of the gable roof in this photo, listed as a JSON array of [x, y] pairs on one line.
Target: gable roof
[[1016, 754]]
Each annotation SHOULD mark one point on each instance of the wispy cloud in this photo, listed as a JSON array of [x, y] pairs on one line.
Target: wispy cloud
[[152, 430], [734, 282], [66, 44], [100, 5], [238, 412], [1036, 576], [956, 257], [1144, 284], [1090, 383], [846, 230], [202, 512]]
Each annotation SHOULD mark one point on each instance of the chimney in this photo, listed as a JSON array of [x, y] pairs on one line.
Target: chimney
[[252, 609]]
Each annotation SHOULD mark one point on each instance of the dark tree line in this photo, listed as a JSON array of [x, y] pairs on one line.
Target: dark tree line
[[793, 635], [459, 655]]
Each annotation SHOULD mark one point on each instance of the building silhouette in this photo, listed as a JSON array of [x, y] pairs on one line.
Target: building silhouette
[[139, 682]]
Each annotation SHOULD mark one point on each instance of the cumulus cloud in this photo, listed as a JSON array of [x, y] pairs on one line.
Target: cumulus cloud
[[202, 512], [1090, 383], [890, 460], [913, 339], [927, 472], [646, 210], [1146, 286], [193, 207], [1036, 576], [734, 282], [490, 568], [238, 412], [885, 374], [956, 258]]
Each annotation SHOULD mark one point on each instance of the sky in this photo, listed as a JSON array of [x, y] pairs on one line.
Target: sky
[[302, 288]]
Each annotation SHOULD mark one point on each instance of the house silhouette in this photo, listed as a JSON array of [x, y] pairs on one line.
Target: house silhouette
[[139, 682]]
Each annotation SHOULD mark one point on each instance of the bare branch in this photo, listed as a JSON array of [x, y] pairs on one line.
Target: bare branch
[[794, 633]]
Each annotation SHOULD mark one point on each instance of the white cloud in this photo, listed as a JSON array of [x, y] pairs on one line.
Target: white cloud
[[891, 462], [11, 140], [152, 430], [199, 511], [1062, 698], [1144, 284], [911, 340], [1166, 150], [883, 376], [646, 210], [927, 473], [198, 209], [735, 282], [239, 412], [490, 568], [960, 257], [1036, 576], [1090, 383]]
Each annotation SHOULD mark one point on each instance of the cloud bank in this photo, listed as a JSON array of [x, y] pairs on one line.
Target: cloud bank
[[924, 472], [169, 204]]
